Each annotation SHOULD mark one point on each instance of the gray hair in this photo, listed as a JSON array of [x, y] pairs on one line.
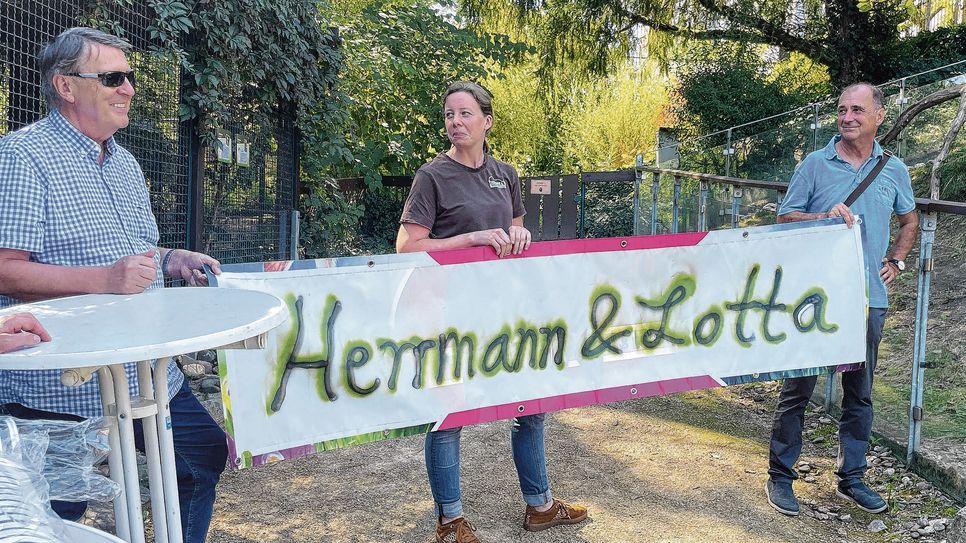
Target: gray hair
[[878, 99], [66, 53]]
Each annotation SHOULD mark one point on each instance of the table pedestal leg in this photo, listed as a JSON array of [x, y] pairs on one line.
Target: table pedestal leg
[[150, 426], [129, 464], [106, 384], [169, 476]]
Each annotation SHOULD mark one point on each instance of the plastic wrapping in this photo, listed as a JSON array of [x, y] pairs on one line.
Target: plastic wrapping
[[43, 460], [25, 514], [73, 451]]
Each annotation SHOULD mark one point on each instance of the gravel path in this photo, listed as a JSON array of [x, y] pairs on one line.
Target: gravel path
[[689, 467]]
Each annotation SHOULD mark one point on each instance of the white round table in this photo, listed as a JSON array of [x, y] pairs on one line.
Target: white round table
[[102, 332]]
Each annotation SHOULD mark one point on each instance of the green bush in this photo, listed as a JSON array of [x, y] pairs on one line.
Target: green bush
[[952, 177]]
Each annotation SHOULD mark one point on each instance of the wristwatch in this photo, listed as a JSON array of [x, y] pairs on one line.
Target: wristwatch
[[899, 264]]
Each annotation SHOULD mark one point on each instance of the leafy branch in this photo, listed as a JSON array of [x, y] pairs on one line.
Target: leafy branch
[[260, 53]]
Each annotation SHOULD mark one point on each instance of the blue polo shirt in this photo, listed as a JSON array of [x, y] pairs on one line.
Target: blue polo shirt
[[824, 179]]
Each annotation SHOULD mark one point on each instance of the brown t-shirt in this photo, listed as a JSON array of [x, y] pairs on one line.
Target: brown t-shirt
[[452, 199]]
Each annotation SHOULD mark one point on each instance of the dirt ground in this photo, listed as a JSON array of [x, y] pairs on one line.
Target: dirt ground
[[683, 468]]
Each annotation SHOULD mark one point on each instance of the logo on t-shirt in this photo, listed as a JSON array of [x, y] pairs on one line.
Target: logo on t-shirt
[[497, 183]]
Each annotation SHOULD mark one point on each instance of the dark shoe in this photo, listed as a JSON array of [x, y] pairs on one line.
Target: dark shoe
[[559, 513], [782, 497], [456, 531], [863, 496]]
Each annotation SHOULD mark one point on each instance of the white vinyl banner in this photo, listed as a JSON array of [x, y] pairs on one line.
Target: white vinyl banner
[[377, 347]]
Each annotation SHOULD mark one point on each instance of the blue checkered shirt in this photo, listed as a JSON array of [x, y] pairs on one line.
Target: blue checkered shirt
[[64, 208]]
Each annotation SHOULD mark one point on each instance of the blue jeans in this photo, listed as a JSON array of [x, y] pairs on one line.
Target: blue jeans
[[200, 453], [443, 465], [855, 425]]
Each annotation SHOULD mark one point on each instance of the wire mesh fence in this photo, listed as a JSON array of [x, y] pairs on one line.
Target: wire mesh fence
[[247, 192]]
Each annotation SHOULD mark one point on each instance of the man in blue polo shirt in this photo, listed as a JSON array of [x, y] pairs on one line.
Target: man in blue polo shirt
[[817, 191], [75, 218]]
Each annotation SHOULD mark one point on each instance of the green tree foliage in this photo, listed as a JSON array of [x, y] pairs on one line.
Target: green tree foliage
[[526, 129], [927, 50], [721, 86], [615, 119], [261, 53], [850, 38], [398, 59]]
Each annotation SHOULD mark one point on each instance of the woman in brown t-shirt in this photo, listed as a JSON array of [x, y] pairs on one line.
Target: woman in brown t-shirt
[[467, 198]]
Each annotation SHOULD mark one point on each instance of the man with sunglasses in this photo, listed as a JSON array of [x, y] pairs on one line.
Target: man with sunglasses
[[75, 218]]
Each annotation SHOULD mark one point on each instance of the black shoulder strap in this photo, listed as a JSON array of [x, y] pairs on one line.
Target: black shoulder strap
[[886, 155]]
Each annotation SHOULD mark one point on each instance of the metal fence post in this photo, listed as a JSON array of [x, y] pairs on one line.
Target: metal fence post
[[816, 124], [676, 204], [293, 242], [655, 187], [583, 205], [196, 188], [902, 105], [928, 229], [703, 207], [638, 177], [829, 391], [735, 204], [728, 151]]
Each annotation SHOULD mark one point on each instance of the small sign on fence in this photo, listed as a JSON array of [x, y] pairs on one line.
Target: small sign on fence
[[539, 186], [223, 147]]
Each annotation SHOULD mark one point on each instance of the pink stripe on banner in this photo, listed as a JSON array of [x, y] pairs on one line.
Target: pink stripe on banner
[[577, 399], [574, 246]]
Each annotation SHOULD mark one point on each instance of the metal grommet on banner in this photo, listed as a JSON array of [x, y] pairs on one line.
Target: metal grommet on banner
[[371, 263], [521, 408], [633, 391], [623, 243], [744, 234]]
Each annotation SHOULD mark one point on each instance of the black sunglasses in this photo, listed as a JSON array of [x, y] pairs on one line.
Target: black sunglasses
[[108, 79]]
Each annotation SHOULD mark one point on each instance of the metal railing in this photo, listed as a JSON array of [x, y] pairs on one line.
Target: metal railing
[[929, 210], [732, 151]]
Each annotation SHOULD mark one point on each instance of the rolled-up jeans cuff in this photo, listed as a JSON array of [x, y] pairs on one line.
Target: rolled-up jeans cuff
[[536, 500], [450, 510]]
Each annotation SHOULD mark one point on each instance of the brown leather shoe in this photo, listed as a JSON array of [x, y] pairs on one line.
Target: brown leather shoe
[[559, 513], [456, 531]]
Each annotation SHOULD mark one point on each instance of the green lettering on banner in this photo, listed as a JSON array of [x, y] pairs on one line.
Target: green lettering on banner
[[286, 346], [294, 360], [555, 332], [358, 354], [465, 343], [745, 305], [711, 317], [500, 344], [417, 347], [608, 299], [816, 299], [525, 344], [681, 288], [773, 305], [748, 304]]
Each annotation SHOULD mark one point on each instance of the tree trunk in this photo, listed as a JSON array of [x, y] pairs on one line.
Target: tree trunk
[[934, 99], [861, 40], [934, 180]]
